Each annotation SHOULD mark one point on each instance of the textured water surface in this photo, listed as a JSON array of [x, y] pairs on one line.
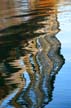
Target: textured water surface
[[32, 34]]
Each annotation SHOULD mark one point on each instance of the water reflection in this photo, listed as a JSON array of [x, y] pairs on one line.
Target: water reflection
[[30, 55]]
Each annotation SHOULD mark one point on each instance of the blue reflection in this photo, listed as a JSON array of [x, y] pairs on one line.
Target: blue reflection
[[5, 103], [62, 91]]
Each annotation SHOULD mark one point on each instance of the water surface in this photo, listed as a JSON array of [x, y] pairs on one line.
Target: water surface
[[33, 41]]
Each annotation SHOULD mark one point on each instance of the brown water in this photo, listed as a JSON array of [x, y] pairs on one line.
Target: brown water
[[30, 52]]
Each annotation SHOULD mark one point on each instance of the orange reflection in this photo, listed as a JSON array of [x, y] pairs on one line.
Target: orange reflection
[[48, 3], [44, 7]]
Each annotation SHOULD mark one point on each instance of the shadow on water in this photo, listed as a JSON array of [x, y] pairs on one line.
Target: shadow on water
[[30, 58]]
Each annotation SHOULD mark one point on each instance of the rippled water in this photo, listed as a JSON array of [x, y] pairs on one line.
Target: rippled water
[[34, 47]]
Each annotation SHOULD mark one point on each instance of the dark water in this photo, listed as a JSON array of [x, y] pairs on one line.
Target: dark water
[[35, 58]]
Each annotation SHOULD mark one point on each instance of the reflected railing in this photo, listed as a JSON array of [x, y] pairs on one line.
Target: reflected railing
[[30, 55]]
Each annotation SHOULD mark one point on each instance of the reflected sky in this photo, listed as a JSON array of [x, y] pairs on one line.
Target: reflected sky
[[65, 35], [62, 91]]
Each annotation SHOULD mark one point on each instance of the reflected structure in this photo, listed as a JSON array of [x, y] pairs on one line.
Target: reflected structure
[[30, 55]]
